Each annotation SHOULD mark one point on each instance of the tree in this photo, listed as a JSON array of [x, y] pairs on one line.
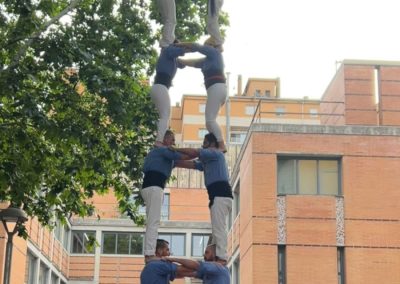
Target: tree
[[75, 116]]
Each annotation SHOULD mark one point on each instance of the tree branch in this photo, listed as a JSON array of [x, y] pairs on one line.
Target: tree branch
[[36, 35]]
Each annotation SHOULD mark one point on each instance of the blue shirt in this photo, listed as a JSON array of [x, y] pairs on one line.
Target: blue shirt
[[161, 159], [213, 273], [158, 272], [167, 61], [212, 61], [213, 163]]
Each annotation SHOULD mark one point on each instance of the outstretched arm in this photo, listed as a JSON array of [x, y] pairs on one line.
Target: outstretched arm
[[185, 164], [187, 263], [191, 152], [183, 271]]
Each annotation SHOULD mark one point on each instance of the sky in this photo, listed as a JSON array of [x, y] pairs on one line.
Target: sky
[[300, 42]]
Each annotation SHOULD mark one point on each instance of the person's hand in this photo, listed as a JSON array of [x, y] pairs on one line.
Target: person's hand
[[172, 148]]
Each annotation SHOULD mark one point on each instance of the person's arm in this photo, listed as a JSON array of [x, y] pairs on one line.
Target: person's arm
[[206, 50], [191, 152], [174, 155], [182, 271], [193, 164], [188, 263], [174, 51]]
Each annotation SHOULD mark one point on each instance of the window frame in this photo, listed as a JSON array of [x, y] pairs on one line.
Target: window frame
[[298, 158], [116, 245], [83, 245], [201, 132], [248, 108], [341, 265], [204, 243], [281, 258], [171, 235], [202, 108], [280, 111]]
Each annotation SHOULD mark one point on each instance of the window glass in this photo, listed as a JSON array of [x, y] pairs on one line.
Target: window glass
[[199, 244], [328, 173], [30, 276], [250, 110], [202, 132], [43, 274], [307, 176], [202, 108], [67, 233], [287, 177], [313, 112], [281, 264], [109, 243], [136, 243], [279, 111], [176, 243], [54, 279], [165, 207], [123, 243], [80, 240]]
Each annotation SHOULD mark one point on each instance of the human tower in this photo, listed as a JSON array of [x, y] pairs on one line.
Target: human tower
[[158, 165]]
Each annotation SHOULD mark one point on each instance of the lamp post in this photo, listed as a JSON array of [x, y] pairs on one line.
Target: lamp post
[[11, 217]]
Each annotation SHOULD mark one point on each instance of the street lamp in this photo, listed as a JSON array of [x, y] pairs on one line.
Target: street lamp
[[11, 217]]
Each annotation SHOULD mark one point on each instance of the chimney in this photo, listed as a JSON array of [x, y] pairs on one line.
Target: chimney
[[239, 85]]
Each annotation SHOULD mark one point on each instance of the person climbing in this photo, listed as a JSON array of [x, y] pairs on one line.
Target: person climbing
[[212, 270], [212, 162], [157, 168], [212, 67]]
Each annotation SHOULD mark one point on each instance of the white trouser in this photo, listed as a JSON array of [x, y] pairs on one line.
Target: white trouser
[[168, 18], [216, 96], [212, 22], [160, 97], [219, 212], [153, 198]]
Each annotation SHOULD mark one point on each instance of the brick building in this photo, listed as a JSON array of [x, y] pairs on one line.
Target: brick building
[[319, 203], [308, 205]]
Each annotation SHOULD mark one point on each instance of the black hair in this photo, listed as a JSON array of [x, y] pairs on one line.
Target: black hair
[[168, 133], [210, 137], [161, 244]]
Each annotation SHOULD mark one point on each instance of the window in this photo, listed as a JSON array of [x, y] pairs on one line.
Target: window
[[267, 93], [281, 265], [54, 279], [176, 243], [280, 111], [257, 93], [236, 200], [236, 271], [202, 132], [340, 260], [122, 243], [30, 276], [238, 137], [199, 244], [250, 110], [80, 241], [202, 108], [43, 274], [165, 207], [308, 176], [58, 231], [313, 112], [67, 234]]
